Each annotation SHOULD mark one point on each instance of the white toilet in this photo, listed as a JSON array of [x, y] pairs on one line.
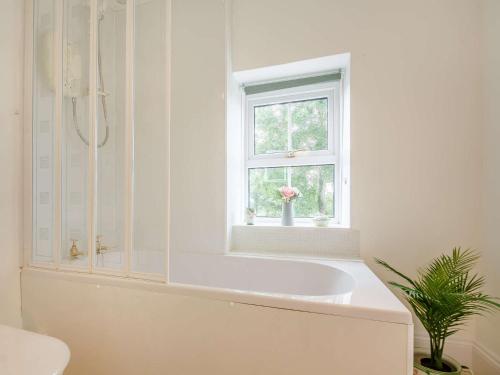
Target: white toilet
[[28, 353]]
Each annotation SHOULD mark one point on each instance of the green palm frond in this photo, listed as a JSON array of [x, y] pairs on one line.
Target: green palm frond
[[445, 295]]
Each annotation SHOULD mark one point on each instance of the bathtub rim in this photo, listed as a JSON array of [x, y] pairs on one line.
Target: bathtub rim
[[316, 263], [396, 312]]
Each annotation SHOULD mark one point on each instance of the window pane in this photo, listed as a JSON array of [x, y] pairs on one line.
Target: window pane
[[309, 125], [271, 129], [263, 190], [316, 184], [299, 125]]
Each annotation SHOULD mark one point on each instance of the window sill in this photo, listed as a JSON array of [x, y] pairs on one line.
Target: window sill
[[303, 239], [298, 224]]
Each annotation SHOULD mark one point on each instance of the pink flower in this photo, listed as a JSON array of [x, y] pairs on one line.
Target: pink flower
[[288, 193]]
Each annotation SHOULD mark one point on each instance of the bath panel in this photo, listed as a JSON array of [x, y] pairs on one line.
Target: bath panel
[[143, 332]]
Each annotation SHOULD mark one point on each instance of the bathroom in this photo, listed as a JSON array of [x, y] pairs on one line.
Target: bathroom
[[141, 223]]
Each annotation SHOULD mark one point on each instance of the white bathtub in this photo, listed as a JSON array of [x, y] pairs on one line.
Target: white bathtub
[[226, 315], [340, 287], [266, 276]]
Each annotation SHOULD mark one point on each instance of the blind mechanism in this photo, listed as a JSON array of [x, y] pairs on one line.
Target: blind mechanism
[[280, 85]]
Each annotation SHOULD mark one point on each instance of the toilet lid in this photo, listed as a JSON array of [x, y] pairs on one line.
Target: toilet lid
[[28, 353]]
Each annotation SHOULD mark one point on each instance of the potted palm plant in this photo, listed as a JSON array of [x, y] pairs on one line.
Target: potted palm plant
[[444, 296]]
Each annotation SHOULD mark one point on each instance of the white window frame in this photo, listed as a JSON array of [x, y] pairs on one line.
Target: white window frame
[[332, 156]]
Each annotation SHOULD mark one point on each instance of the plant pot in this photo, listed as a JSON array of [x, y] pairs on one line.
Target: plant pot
[[420, 369], [321, 221], [287, 214]]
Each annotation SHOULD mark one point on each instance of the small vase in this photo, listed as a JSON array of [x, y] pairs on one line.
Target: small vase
[[249, 219], [287, 214]]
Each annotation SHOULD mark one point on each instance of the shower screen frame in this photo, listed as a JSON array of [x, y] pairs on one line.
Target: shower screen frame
[[29, 138]]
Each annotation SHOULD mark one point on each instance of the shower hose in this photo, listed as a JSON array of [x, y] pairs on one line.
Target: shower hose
[[101, 92]]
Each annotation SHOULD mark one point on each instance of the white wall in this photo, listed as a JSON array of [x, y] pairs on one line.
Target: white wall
[[488, 331], [11, 158], [415, 108]]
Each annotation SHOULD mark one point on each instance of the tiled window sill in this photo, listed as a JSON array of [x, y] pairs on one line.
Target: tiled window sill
[[303, 239]]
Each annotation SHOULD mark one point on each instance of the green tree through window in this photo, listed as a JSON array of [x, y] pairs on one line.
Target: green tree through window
[[282, 127]]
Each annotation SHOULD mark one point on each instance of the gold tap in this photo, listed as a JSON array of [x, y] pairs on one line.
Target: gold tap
[[74, 252], [100, 248]]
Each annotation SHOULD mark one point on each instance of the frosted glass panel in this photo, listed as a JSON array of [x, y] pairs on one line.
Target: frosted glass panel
[[120, 177], [43, 130], [111, 155], [75, 132], [150, 137]]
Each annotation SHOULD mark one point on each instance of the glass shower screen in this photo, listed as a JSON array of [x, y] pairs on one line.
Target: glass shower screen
[[100, 135]]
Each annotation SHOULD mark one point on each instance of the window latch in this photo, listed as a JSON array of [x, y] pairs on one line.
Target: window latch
[[291, 153]]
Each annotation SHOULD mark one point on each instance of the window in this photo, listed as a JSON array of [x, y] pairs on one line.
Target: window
[[293, 138]]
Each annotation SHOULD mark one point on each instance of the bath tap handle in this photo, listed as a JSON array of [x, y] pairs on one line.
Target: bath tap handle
[[74, 252], [100, 248]]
